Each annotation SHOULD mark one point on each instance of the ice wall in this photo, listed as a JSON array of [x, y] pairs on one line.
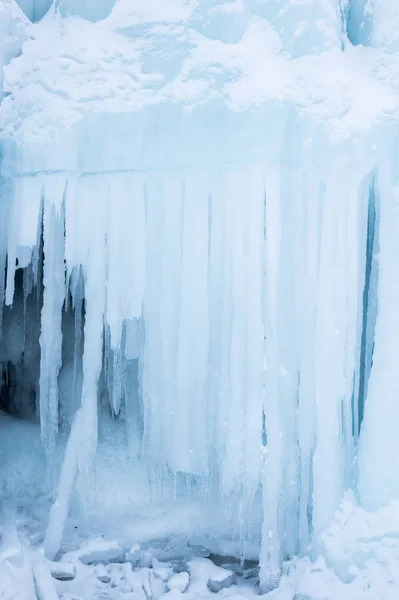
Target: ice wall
[[202, 199]]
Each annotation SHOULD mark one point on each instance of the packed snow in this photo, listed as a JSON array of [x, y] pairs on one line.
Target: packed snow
[[199, 302]]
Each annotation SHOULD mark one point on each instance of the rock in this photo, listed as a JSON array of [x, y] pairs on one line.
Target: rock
[[179, 581], [251, 573], [102, 574], [180, 566], [98, 551], [205, 574], [221, 579], [62, 571], [235, 567], [45, 588]]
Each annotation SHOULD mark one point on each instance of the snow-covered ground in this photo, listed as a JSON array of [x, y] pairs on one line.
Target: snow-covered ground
[[122, 555], [358, 561]]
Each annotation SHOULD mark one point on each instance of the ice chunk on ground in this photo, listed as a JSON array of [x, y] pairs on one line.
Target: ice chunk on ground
[[179, 581], [102, 574], [221, 580], [134, 555], [97, 551], [62, 571], [204, 573], [145, 560]]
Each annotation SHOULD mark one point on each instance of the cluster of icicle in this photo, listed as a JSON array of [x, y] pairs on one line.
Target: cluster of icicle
[[249, 299]]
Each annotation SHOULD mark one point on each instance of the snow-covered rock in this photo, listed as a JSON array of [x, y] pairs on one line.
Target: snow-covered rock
[[221, 580], [97, 551], [179, 581], [205, 574], [164, 573], [62, 571]]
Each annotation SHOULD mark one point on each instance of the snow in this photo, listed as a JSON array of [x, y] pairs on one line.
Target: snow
[[102, 574], [179, 582], [45, 587], [97, 551], [113, 58]]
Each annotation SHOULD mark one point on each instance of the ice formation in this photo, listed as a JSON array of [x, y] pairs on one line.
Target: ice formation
[[199, 224]]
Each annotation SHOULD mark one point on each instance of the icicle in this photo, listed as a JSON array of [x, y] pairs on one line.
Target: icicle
[[153, 441], [354, 232], [4, 220], [126, 262], [77, 290], [234, 433], [130, 382], [310, 204], [329, 363], [241, 427], [60, 508], [82, 442], [270, 555], [169, 306], [189, 452], [254, 264], [289, 351], [53, 300], [116, 391], [95, 274], [23, 227], [219, 314]]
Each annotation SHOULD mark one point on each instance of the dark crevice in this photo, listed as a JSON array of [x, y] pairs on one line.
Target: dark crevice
[[20, 352], [369, 301]]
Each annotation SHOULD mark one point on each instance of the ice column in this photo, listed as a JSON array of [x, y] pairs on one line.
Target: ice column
[[53, 300], [379, 449]]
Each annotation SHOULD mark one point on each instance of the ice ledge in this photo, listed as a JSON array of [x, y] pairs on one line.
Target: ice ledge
[[72, 67]]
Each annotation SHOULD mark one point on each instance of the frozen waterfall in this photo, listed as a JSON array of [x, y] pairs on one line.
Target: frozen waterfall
[[199, 238]]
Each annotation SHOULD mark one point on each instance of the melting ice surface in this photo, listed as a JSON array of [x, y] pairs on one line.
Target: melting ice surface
[[199, 240]]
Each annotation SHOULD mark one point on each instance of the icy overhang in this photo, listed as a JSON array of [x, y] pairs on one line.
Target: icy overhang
[[145, 57]]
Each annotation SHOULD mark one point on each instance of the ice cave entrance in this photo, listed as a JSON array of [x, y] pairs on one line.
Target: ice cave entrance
[[147, 314]]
